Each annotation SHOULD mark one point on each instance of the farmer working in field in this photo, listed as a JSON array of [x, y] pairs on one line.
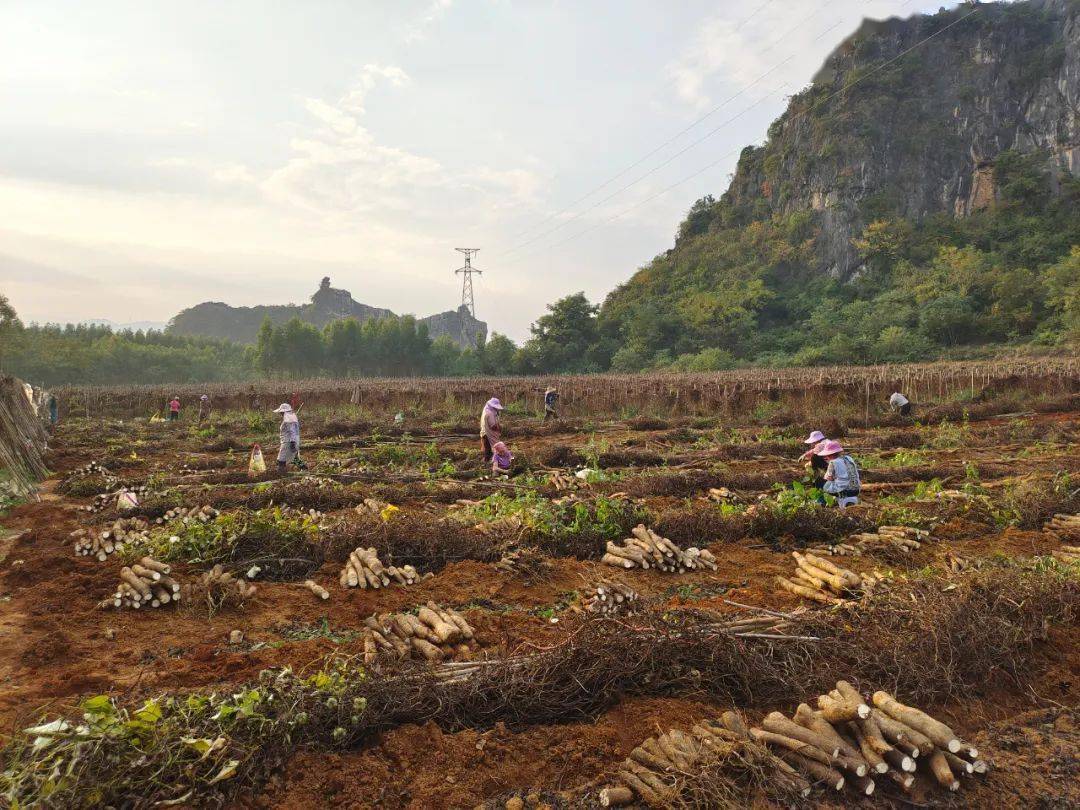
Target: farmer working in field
[[842, 476], [501, 459], [204, 408], [490, 430], [174, 409], [290, 437], [900, 404], [551, 396], [817, 464]]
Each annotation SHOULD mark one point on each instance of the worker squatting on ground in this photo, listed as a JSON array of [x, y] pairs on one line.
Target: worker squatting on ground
[[551, 397], [842, 475], [490, 431], [817, 465], [174, 409], [290, 437], [501, 459], [899, 403]]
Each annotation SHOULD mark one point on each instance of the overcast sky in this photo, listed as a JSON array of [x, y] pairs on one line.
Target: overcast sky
[[154, 155]]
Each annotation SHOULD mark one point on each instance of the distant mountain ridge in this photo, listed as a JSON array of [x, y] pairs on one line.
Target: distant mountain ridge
[[241, 324]]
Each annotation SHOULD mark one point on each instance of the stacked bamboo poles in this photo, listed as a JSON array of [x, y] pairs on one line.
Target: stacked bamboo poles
[[848, 741], [1064, 527], [822, 581], [433, 633], [203, 514], [89, 543], [646, 549], [654, 770], [902, 538], [526, 563], [144, 583], [220, 588], [364, 570], [611, 597]]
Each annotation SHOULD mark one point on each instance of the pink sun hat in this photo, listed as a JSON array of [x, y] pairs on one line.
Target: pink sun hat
[[814, 437], [830, 448], [494, 403]]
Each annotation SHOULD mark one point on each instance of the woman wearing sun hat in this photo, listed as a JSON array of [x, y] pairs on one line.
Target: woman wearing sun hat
[[817, 465], [490, 430], [290, 437], [842, 476]]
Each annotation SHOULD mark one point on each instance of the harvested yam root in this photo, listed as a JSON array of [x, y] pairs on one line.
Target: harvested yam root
[[845, 741], [512, 525], [380, 509], [203, 514], [316, 589], [1069, 555], [101, 544], [146, 583], [1064, 527], [561, 481], [902, 538], [822, 581], [363, 570], [646, 549], [956, 564], [611, 597], [527, 563], [432, 634], [220, 589], [714, 761], [721, 494]]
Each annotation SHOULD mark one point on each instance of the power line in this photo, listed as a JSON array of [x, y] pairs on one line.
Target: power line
[[670, 140], [674, 137], [796, 116]]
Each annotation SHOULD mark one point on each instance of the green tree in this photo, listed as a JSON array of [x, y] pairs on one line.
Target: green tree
[[10, 326], [562, 339]]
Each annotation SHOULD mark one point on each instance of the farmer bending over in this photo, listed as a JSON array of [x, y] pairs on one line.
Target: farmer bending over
[[500, 459], [551, 396], [818, 465], [900, 404], [290, 438], [842, 476], [490, 431]]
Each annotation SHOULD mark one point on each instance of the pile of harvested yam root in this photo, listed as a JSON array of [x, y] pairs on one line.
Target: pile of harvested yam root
[[220, 588], [1064, 527], [363, 569], [659, 769], [646, 549], [433, 633], [203, 514], [611, 597], [144, 583], [90, 543], [1070, 555], [848, 741], [526, 563], [823, 581], [902, 538], [844, 742]]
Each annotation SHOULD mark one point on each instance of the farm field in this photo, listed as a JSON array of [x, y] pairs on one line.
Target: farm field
[[268, 695]]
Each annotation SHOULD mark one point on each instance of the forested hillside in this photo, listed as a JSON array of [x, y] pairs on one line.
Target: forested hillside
[[927, 207]]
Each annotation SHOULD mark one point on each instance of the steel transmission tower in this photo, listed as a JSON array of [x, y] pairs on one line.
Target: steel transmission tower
[[468, 300]]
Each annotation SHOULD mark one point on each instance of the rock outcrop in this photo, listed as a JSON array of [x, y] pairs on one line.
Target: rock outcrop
[[241, 324], [886, 133]]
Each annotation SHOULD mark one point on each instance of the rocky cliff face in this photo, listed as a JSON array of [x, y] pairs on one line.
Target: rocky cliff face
[[241, 324], [918, 137]]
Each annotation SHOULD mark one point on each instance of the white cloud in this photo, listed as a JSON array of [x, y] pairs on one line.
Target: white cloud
[[736, 50], [431, 15]]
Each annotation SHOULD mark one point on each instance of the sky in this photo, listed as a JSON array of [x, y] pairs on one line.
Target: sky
[[156, 155]]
